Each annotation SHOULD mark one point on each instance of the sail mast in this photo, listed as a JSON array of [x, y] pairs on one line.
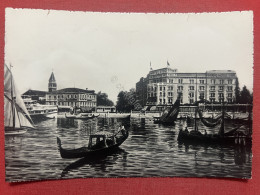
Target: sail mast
[[195, 117], [221, 131], [12, 98]]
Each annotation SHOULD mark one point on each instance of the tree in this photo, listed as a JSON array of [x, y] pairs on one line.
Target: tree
[[237, 92], [102, 99], [123, 103], [245, 96]]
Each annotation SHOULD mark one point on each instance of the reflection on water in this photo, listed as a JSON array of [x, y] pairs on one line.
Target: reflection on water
[[150, 150]]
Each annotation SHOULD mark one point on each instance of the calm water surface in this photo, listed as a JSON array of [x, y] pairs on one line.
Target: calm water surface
[[151, 150]]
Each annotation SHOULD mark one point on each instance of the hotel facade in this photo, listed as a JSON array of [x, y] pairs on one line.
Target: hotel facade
[[162, 86]]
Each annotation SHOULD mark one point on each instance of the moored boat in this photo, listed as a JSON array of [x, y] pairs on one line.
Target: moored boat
[[83, 116], [39, 111], [169, 117], [17, 118], [115, 115], [237, 136], [99, 144]]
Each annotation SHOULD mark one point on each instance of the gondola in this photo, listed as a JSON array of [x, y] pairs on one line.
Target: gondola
[[239, 138], [99, 144]]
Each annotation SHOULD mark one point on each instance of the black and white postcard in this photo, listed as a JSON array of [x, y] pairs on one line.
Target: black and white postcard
[[92, 94]]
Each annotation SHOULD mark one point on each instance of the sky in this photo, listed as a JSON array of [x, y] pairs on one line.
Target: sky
[[109, 52]]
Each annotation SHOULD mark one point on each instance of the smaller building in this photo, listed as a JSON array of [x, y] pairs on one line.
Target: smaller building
[[141, 91], [35, 95], [73, 97], [106, 109]]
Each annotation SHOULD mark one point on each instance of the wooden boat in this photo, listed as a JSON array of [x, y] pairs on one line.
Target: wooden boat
[[99, 144], [236, 136], [17, 118], [83, 116], [169, 117], [115, 115]]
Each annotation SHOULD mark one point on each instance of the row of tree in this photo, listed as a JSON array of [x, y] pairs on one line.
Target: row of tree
[[102, 99], [243, 96]]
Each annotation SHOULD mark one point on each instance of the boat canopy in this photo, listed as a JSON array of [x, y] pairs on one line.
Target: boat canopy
[[18, 113]]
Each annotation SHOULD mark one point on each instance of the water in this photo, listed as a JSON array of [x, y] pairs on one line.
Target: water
[[151, 150]]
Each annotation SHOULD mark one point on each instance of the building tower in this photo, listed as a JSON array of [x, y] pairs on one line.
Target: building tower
[[52, 83]]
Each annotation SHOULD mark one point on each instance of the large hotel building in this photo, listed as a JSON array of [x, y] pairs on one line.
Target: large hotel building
[[162, 86]]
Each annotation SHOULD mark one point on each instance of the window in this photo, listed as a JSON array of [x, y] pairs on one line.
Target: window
[[212, 88], [213, 81], [201, 81], [202, 96], [221, 81], [171, 81], [180, 88], [160, 94], [180, 81], [163, 88], [212, 95], [160, 88], [221, 95], [191, 81], [212, 99], [201, 88], [191, 88], [191, 95], [221, 88], [229, 81], [229, 88], [229, 95], [163, 94], [191, 101]]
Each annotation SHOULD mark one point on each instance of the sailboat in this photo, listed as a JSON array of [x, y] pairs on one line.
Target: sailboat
[[17, 118], [169, 117]]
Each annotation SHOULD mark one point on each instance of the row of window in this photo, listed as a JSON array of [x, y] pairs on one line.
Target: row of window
[[191, 100], [86, 104], [191, 94], [192, 81], [81, 97], [191, 88]]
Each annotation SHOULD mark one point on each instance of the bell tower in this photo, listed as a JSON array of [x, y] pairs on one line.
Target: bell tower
[[52, 83]]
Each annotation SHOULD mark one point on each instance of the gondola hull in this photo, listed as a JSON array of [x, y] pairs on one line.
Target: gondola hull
[[82, 117], [88, 152], [215, 139]]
